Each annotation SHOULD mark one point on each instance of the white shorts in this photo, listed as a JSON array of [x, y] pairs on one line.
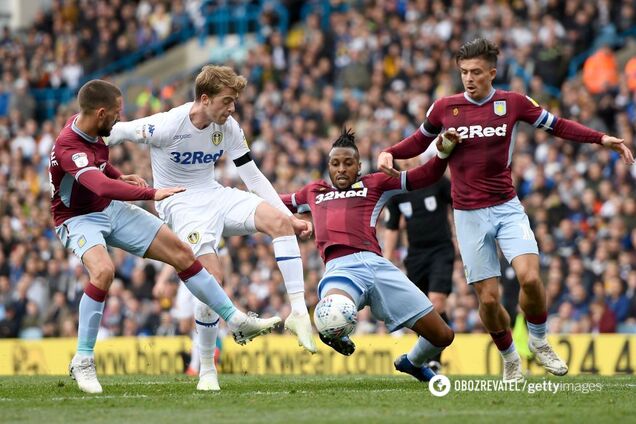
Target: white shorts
[[202, 217]]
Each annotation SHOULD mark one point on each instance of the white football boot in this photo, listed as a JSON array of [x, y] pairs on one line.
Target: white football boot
[[246, 327], [300, 325], [546, 356], [82, 370], [208, 382], [512, 370]]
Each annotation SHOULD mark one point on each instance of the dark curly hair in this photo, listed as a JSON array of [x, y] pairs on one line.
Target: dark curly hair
[[347, 139]]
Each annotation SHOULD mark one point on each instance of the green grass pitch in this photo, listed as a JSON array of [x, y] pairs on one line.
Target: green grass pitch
[[305, 399]]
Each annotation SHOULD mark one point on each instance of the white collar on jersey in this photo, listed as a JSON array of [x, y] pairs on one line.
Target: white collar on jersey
[[81, 133], [484, 100]]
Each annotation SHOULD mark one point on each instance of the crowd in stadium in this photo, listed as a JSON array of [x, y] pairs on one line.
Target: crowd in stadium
[[377, 68]]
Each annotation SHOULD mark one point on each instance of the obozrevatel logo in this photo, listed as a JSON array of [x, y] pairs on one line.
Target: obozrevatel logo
[[439, 385]]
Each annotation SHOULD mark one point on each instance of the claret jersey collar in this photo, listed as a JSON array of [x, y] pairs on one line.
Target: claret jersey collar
[[81, 133], [482, 101]]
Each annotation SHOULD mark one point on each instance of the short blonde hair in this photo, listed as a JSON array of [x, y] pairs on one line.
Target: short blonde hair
[[212, 79]]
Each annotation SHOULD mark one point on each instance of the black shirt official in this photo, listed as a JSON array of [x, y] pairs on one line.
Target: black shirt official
[[429, 262]]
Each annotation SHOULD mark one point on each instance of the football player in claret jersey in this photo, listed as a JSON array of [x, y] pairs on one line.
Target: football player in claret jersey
[[185, 143], [86, 203], [486, 208], [345, 213]]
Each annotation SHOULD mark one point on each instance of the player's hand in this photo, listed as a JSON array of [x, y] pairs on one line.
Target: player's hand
[[446, 142], [134, 179], [302, 228], [163, 193], [385, 164], [618, 145]]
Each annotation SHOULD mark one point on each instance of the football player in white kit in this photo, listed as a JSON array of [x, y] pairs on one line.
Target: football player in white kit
[[185, 143]]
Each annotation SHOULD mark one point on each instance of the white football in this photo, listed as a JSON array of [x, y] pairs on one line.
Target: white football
[[335, 316]]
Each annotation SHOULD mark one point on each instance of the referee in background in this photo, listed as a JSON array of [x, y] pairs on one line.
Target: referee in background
[[431, 254]]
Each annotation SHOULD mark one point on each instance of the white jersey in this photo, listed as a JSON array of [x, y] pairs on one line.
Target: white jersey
[[181, 154]]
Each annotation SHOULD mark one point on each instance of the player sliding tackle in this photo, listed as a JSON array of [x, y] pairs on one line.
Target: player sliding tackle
[[486, 208], [185, 143], [86, 203], [345, 213]]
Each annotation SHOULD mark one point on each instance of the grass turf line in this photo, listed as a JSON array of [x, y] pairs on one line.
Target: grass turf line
[[303, 399]]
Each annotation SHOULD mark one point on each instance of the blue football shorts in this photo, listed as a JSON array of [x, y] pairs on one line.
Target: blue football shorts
[[121, 224], [374, 281], [480, 230]]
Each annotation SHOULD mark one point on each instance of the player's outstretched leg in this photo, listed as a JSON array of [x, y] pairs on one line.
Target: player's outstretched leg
[[82, 370], [278, 226], [435, 335], [343, 345], [300, 325], [546, 356], [207, 323], [532, 302], [287, 254], [167, 247], [497, 322], [423, 372], [246, 327], [91, 308], [512, 370]]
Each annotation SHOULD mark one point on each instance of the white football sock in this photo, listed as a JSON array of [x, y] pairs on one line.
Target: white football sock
[[422, 352], [287, 253], [194, 359], [207, 323]]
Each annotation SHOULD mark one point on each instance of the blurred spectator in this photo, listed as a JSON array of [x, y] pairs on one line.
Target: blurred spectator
[[600, 71], [603, 318]]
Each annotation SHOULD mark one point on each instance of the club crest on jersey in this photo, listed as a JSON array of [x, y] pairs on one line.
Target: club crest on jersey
[[406, 208], [500, 107], [217, 137], [455, 111], [80, 159], [431, 203], [194, 237]]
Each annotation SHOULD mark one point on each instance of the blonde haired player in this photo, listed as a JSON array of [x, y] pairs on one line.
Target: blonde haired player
[[185, 143]]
